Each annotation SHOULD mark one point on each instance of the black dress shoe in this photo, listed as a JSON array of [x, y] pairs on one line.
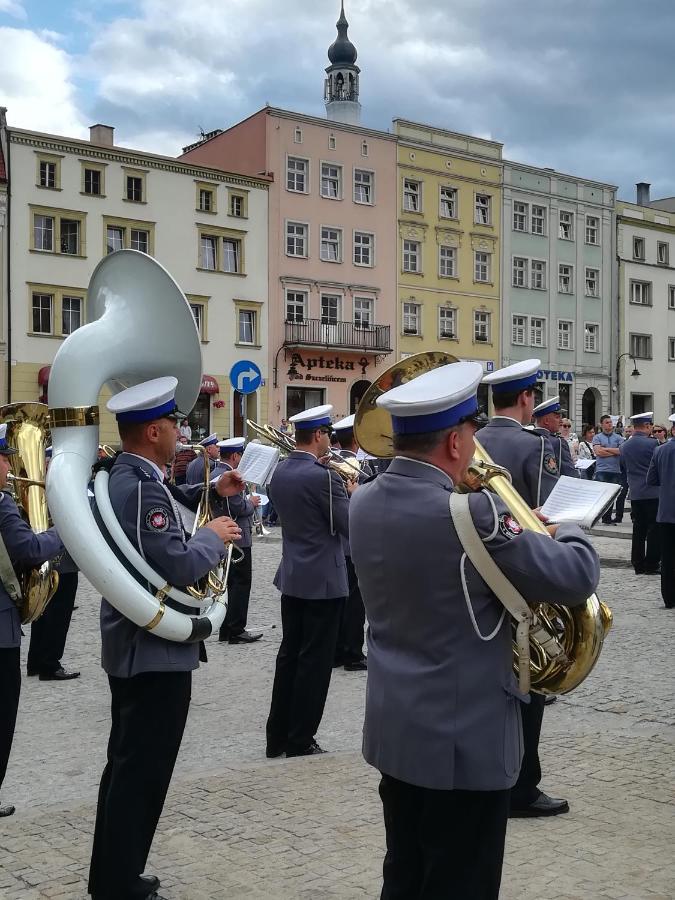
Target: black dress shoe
[[59, 674], [152, 882], [7, 810], [274, 750], [549, 700], [542, 806], [360, 666], [312, 750], [245, 637]]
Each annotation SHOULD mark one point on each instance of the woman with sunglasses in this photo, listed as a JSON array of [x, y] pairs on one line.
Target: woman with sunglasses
[[659, 432]]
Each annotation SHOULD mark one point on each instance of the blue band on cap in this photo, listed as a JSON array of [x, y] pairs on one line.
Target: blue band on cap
[[344, 428], [147, 415], [434, 421], [210, 443], [310, 424], [518, 384], [545, 410], [233, 448]]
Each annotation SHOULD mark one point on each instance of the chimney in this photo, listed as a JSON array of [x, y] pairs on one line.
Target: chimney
[[643, 193], [101, 134]]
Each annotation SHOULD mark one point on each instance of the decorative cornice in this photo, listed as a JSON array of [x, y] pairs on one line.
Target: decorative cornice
[[135, 159]]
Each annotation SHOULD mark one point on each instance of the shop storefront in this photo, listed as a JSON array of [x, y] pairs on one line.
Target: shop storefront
[[315, 377], [199, 417]]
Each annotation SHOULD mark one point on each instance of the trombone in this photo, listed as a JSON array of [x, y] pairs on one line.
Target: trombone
[[348, 469]]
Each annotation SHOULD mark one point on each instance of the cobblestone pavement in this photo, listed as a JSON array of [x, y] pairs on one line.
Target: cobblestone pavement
[[239, 826]]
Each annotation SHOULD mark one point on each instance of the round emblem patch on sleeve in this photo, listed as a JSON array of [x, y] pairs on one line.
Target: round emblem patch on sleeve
[[508, 526], [157, 519], [550, 464]]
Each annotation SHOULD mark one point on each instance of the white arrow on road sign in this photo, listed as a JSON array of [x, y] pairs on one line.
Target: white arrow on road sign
[[243, 377]]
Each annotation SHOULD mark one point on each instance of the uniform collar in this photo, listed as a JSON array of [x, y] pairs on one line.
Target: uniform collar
[[504, 421], [417, 468], [148, 466], [302, 454]]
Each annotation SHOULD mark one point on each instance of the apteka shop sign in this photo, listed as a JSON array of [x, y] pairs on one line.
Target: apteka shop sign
[[554, 375], [323, 362]]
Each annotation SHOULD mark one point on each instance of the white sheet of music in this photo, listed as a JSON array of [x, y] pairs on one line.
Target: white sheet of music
[[576, 500], [258, 463]]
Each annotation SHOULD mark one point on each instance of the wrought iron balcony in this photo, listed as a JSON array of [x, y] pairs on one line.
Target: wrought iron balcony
[[338, 335]]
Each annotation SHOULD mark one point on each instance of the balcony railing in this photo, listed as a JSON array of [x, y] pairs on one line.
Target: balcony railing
[[340, 335]]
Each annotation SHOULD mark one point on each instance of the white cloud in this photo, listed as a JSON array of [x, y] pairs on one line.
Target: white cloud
[[13, 8], [36, 84]]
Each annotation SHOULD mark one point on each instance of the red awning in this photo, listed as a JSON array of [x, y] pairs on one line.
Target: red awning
[[209, 385], [43, 375]]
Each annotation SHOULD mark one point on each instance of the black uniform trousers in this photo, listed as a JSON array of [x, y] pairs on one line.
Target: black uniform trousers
[[303, 669], [645, 532], [442, 845], [48, 635], [148, 719], [667, 533], [10, 690], [238, 595], [351, 634], [526, 789]]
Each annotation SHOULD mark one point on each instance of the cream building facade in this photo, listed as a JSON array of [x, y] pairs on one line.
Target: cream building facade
[[74, 201]]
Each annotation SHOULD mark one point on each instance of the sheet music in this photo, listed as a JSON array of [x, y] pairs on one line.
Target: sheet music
[[258, 463], [576, 500], [584, 464]]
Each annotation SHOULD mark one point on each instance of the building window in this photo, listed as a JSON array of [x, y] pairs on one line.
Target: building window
[[565, 277], [641, 293], [297, 136], [134, 188], [296, 239], [58, 232], [364, 247], [662, 253], [70, 237], [538, 274], [114, 238], [592, 282], [331, 142], [71, 314], [565, 335], [43, 232], [641, 346], [671, 296], [638, 248], [412, 195], [231, 255], [47, 174], [363, 312], [93, 182], [48, 171], [198, 315], [220, 250], [331, 181], [518, 330], [520, 216], [592, 230], [671, 349], [519, 272], [139, 240], [296, 306], [128, 234], [238, 205], [447, 262], [331, 244], [411, 318], [591, 337], [206, 199], [483, 210], [247, 326], [330, 309], [447, 322], [208, 252], [364, 148], [481, 327], [43, 307], [363, 186], [566, 226], [481, 266], [537, 331], [448, 203], [538, 220], [411, 256], [296, 175]]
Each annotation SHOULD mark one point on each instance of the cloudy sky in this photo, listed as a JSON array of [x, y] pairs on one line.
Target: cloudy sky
[[584, 86]]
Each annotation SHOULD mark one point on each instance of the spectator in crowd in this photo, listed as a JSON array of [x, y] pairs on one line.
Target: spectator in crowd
[[185, 431], [672, 433], [566, 432], [585, 449], [659, 432], [608, 466], [628, 431], [285, 426], [184, 456], [619, 427]]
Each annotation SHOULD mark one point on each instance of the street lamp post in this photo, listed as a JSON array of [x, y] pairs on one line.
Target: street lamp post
[[634, 374]]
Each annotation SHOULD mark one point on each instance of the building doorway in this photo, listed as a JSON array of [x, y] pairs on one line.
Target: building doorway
[[244, 406], [300, 399], [356, 392], [591, 406], [199, 418]]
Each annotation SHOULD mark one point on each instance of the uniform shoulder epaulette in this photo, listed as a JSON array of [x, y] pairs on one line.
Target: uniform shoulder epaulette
[[530, 431]]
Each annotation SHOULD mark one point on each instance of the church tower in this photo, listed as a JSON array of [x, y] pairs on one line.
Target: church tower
[[341, 91]]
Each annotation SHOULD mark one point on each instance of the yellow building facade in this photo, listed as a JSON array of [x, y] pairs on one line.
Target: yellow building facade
[[449, 227]]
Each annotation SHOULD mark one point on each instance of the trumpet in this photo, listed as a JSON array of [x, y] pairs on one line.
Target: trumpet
[[348, 469]]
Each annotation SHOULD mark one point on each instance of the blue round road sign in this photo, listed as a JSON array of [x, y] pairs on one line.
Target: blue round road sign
[[245, 376]]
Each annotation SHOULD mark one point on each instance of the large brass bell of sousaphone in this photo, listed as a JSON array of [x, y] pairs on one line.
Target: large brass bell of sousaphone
[[579, 630]]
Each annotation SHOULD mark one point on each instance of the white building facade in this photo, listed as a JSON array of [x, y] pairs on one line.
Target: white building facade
[[74, 201]]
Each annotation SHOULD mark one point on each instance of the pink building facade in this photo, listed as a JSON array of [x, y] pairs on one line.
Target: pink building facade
[[332, 252]]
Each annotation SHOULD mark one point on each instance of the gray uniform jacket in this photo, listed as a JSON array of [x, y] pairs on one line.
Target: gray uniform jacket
[[561, 450], [26, 550], [238, 508], [661, 474], [194, 474], [442, 705], [529, 457], [149, 516], [636, 456], [304, 493]]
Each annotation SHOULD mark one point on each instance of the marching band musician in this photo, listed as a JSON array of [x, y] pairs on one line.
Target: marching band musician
[[636, 456], [194, 474], [442, 721], [349, 651], [530, 460], [150, 677], [548, 416], [661, 474], [313, 506], [241, 509], [20, 548]]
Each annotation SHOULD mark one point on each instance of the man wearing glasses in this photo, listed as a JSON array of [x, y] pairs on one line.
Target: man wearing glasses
[[313, 508]]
